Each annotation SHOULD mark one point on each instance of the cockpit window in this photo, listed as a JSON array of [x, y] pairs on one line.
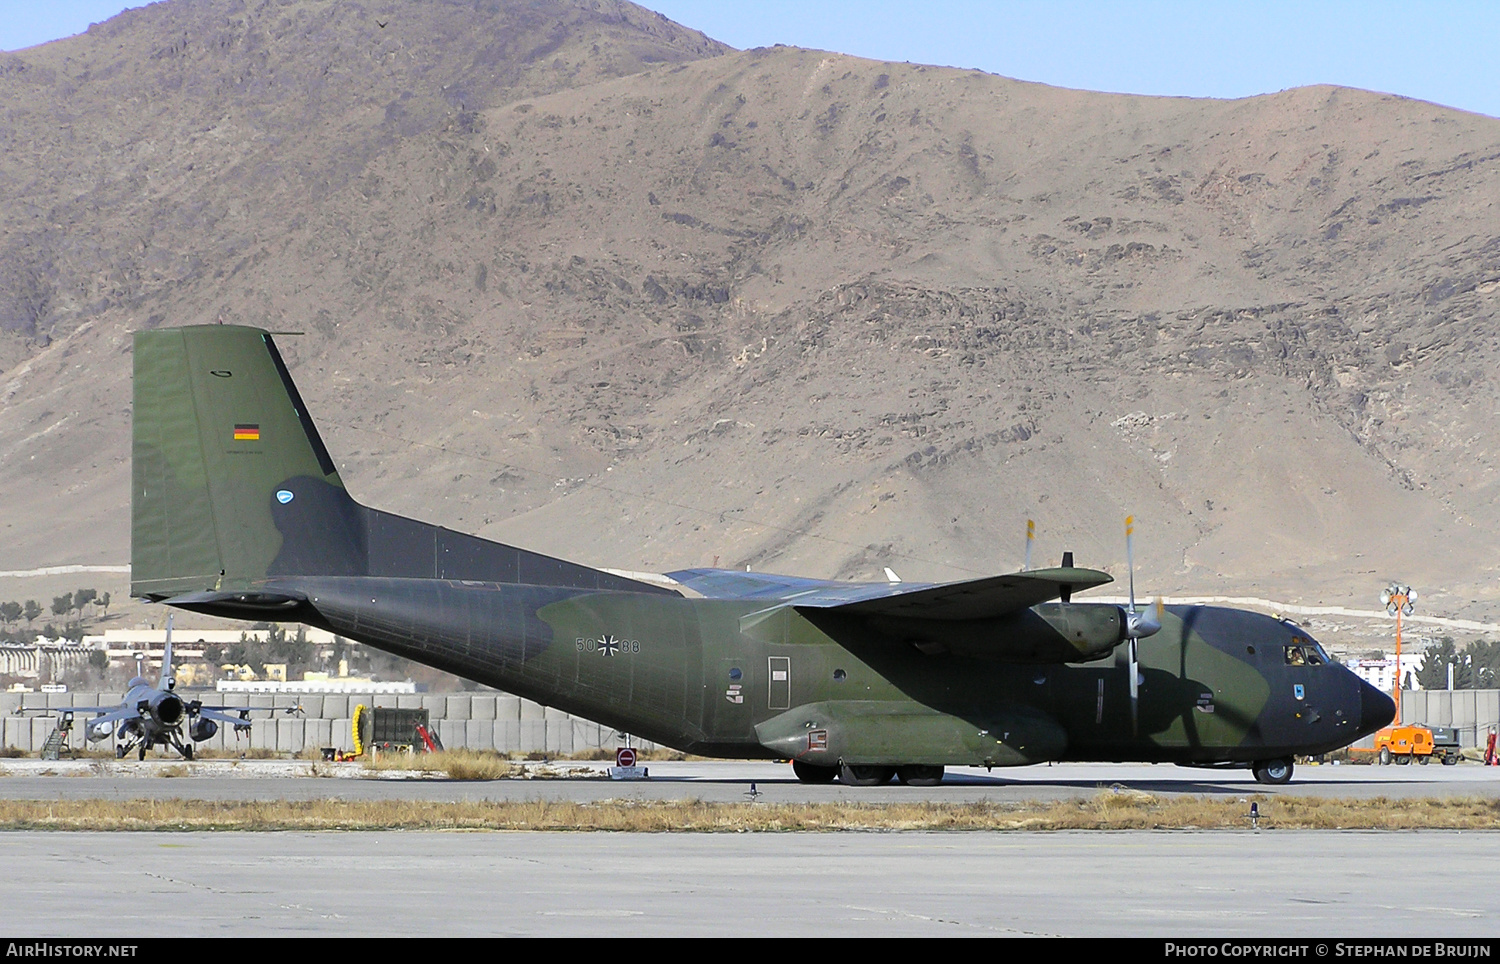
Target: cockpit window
[[1305, 652]]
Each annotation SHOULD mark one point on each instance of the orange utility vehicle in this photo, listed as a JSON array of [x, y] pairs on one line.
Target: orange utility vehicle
[[1404, 742]]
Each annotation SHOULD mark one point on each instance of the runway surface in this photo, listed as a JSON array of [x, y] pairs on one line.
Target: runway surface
[[1319, 884], [712, 781], [1225, 884]]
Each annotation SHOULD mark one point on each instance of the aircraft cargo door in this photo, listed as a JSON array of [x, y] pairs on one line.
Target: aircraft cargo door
[[779, 682]]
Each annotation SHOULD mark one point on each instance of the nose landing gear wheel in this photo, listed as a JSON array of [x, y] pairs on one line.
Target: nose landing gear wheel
[[1273, 771]]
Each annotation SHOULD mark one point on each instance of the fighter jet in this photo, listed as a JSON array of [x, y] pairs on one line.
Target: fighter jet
[[239, 511], [155, 715]]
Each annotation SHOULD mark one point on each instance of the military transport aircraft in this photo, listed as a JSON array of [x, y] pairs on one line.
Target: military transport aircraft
[[154, 715], [239, 511]]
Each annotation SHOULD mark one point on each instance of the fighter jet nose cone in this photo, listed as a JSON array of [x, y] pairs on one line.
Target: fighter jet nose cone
[[1376, 709]]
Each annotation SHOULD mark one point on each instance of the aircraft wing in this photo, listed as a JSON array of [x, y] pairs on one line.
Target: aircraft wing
[[106, 714], [214, 713], [975, 599], [118, 711]]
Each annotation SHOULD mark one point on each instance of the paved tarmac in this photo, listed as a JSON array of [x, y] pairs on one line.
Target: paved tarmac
[[709, 780], [1429, 884], [1150, 884]]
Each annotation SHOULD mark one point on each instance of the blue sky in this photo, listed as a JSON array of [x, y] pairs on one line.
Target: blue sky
[[1442, 52]]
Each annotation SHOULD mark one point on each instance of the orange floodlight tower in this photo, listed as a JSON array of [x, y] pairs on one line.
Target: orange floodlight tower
[[1399, 600]]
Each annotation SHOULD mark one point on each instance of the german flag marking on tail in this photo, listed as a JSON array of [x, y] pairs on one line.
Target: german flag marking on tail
[[247, 433]]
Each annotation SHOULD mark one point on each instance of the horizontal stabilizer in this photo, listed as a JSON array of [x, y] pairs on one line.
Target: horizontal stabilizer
[[984, 598]]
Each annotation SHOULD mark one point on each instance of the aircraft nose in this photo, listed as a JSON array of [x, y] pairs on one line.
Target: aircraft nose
[[1375, 709]]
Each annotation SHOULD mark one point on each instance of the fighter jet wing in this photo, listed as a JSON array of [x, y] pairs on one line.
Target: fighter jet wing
[[73, 710], [106, 714], [215, 713], [975, 599]]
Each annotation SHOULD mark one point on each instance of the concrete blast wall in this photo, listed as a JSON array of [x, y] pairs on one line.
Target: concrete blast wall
[[478, 721]]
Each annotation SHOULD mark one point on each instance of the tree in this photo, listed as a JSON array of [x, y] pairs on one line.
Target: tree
[[293, 650], [62, 605], [104, 602], [82, 598], [10, 612], [31, 611], [1434, 672], [1477, 666]]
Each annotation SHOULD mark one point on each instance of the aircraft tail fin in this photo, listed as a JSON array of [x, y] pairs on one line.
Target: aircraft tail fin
[[233, 487], [219, 430], [166, 681]]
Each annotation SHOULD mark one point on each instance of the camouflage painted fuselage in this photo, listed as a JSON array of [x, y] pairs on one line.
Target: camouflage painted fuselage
[[691, 674]]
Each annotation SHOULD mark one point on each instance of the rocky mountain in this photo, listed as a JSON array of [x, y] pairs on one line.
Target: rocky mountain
[[573, 276]]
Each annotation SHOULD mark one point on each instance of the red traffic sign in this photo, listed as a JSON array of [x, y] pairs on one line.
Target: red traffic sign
[[625, 757]]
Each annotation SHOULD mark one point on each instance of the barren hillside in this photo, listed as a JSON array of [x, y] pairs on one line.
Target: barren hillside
[[576, 277]]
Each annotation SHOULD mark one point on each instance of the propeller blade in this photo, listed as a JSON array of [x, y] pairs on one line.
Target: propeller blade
[[1135, 689], [1138, 622], [1030, 538]]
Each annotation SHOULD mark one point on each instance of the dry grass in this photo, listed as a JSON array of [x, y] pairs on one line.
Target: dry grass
[[1107, 810], [457, 764], [608, 753]]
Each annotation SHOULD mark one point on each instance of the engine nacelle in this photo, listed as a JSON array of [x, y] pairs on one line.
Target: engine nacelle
[[202, 729], [166, 709]]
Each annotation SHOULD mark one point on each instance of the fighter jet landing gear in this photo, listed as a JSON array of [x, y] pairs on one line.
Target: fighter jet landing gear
[[1273, 771], [812, 773]]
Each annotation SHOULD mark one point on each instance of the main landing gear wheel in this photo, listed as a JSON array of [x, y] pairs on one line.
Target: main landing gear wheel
[[187, 751], [917, 775], [140, 752], [1273, 771], [865, 776], [120, 751], [812, 773]]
